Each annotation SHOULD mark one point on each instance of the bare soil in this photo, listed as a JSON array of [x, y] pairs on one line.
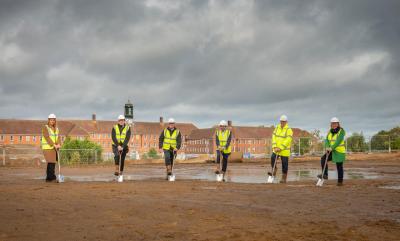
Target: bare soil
[[154, 209]]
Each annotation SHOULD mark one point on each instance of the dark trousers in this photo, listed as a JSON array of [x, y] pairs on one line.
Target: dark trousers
[[284, 160], [224, 160], [116, 157], [339, 167], [169, 156], [50, 172]]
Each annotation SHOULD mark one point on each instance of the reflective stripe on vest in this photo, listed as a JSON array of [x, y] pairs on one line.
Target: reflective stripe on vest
[[332, 140], [280, 135], [53, 136], [223, 140], [170, 139], [121, 136]]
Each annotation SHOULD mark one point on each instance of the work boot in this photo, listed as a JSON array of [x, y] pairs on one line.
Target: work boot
[[116, 173], [340, 183], [284, 177], [217, 172]]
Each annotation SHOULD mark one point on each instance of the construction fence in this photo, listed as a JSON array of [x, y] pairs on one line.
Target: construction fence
[[303, 146]]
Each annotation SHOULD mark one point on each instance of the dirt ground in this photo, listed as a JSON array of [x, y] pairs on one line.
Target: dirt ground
[[155, 209]]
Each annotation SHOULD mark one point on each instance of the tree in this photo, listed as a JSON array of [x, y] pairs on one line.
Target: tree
[[356, 143], [152, 153], [74, 151], [380, 141]]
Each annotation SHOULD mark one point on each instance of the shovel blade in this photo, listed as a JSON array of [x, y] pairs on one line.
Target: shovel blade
[[320, 182], [219, 177], [120, 178], [270, 179], [171, 178], [60, 178]]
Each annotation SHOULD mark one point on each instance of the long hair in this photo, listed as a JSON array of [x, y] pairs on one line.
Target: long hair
[[55, 123]]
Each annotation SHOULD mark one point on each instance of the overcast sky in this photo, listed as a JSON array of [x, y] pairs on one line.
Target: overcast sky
[[203, 61]]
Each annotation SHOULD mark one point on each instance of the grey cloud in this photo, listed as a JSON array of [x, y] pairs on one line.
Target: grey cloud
[[202, 61]]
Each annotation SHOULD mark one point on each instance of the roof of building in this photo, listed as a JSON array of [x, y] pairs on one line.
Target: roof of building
[[243, 132], [84, 127]]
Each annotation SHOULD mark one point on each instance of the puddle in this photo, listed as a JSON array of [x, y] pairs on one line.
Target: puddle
[[237, 174], [395, 187]]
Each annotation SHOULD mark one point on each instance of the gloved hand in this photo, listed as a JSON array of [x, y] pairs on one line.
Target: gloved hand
[[328, 149], [120, 148], [277, 149]]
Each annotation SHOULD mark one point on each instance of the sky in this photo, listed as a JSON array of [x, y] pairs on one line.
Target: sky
[[203, 61]]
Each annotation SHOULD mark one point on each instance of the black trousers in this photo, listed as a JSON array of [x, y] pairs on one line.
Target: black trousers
[[116, 157], [284, 160], [50, 172], [224, 160], [339, 167], [169, 157]]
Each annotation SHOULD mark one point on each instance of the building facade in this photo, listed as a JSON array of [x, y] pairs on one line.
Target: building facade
[[145, 135]]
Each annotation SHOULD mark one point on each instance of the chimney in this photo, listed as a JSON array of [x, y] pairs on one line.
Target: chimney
[[94, 117], [161, 120], [229, 123]]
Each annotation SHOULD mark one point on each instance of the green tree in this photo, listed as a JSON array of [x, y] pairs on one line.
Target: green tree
[[356, 143], [74, 151], [380, 141], [305, 145], [152, 153]]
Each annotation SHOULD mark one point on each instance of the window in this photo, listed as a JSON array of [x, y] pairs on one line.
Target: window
[[1, 137], [20, 138], [28, 138], [11, 138]]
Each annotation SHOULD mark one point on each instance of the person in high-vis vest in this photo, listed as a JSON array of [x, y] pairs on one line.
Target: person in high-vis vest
[[281, 144], [50, 144], [335, 149], [223, 138], [120, 134], [170, 142]]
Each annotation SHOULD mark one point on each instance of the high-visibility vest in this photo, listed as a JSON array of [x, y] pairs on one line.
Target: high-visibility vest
[[223, 140], [170, 139], [282, 138], [121, 136], [53, 136], [341, 148]]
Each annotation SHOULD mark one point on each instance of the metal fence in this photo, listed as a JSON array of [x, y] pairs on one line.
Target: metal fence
[[303, 146], [354, 144], [16, 156], [309, 146]]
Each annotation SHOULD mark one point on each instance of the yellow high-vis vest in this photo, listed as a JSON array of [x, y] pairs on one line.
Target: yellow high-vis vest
[[170, 139], [121, 136], [53, 136], [341, 148], [223, 139], [282, 138]]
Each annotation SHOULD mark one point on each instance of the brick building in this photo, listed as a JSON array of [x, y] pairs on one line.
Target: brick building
[[245, 139], [144, 135]]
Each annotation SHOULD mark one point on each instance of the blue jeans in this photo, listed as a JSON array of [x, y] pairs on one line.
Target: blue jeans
[[224, 160], [285, 162], [339, 167]]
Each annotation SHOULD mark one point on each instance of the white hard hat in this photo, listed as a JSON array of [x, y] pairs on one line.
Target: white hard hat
[[223, 123], [52, 116], [171, 120], [283, 118], [121, 117], [334, 120]]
